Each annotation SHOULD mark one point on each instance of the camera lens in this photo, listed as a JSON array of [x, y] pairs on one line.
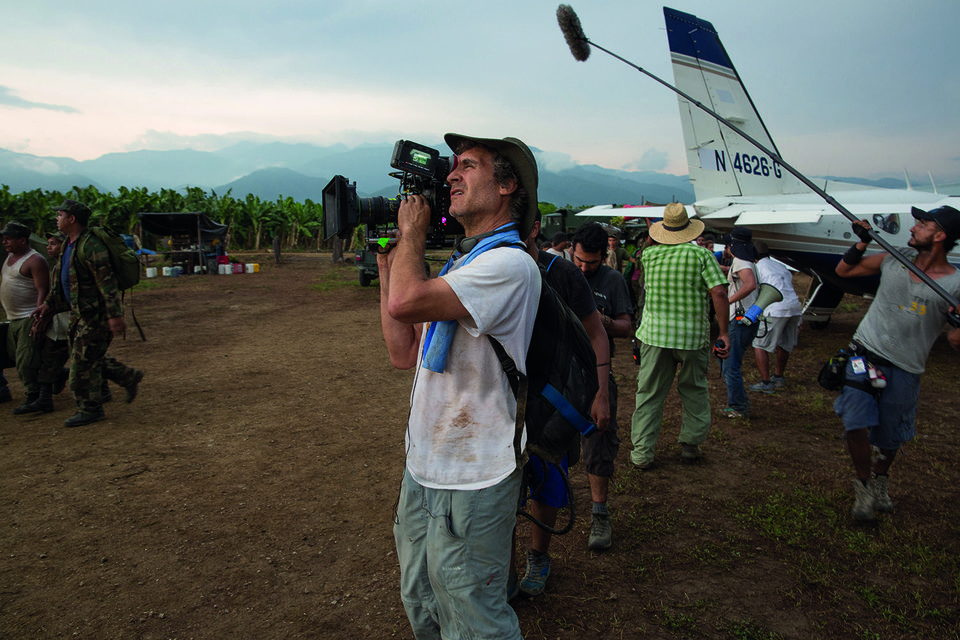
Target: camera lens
[[378, 210]]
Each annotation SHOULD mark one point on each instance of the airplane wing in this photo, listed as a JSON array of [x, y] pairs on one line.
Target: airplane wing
[[608, 210], [767, 214]]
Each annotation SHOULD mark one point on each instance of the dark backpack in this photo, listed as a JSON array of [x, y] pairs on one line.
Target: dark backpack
[[555, 396], [124, 263], [123, 259]]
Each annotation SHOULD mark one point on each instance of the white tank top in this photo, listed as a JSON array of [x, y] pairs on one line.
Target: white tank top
[[17, 293]]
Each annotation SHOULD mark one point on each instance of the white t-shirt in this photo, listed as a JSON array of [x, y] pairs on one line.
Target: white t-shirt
[[735, 283], [774, 273], [462, 421]]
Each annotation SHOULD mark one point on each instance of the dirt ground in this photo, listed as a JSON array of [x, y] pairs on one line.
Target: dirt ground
[[248, 493]]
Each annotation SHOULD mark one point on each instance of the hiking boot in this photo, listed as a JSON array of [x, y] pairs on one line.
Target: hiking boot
[[778, 381], [862, 501], [691, 452], [81, 418], [732, 413], [5, 395], [601, 533], [764, 386], [538, 570], [26, 406], [43, 403], [105, 394], [132, 387], [643, 466], [881, 499]]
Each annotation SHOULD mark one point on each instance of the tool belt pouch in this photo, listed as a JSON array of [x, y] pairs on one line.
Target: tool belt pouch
[[833, 373]]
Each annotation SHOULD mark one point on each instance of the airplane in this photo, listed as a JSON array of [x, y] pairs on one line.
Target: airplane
[[736, 184]]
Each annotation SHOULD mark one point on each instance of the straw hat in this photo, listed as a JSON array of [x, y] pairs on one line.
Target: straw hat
[[676, 227]]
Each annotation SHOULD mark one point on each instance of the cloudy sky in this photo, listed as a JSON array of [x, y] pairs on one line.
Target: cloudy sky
[[846, 87]]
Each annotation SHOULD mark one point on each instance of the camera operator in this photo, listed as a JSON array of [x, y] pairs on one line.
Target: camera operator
[[457, 506], [894, 338]]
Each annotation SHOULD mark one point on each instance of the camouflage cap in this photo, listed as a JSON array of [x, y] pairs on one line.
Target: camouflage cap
[[15, 229], [73, 208]]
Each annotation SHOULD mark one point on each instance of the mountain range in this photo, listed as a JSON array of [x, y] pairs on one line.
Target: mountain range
[[301, 170]]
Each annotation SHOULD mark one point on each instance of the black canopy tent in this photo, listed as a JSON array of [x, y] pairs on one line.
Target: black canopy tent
[[193, 235]]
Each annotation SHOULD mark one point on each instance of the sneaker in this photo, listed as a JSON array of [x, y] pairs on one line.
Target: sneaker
[[81, 418], [601, 533], [691, 452], [863, 501], [764, 386], [732, 413], [538, 570], [778, 381], [881, 499]]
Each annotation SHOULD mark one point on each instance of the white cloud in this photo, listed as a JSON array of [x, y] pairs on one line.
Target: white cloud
[[106, 76], [652, 160]]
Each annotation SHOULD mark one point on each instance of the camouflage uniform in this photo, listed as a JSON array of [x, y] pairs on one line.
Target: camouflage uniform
[[94, 299]]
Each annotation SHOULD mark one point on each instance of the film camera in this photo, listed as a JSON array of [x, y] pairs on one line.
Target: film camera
[[421, 171]]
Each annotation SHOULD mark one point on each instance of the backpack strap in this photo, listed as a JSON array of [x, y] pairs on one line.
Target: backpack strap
[[123, 293], [518, 381], [520, 385]]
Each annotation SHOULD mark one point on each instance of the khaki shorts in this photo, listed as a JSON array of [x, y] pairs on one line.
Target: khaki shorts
[[777, 332]]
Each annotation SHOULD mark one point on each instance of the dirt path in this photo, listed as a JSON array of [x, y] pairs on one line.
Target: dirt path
[[248, 493]]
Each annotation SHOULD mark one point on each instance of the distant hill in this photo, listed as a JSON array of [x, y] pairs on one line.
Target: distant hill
[[163, 169], [302, 170], [269, 184], [24, 180]]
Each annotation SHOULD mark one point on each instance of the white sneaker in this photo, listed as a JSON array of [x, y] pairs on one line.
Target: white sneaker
[[862, 501], [881, 499]]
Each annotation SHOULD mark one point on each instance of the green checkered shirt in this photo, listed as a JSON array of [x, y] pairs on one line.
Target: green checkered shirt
[[678, 279]]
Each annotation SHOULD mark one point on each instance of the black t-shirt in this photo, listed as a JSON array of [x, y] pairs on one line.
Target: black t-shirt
[[568, 281], [610, 293]]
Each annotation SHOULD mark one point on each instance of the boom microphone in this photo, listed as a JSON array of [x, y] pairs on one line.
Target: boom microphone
[[580, 48], [573, 32]]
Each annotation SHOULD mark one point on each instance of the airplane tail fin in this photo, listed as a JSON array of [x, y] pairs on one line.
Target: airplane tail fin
[[720, 161]]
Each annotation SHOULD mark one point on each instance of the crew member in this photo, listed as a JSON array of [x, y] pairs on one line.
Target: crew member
[[893, 341], [457, 507], [610, 292]]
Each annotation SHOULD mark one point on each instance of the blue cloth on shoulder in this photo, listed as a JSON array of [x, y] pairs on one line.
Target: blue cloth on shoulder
[[436, 345]]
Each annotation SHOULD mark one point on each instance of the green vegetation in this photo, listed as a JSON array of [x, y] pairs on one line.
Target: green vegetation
[[252, 223]]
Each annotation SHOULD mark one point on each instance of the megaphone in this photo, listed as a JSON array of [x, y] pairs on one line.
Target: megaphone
[[766, 295]]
